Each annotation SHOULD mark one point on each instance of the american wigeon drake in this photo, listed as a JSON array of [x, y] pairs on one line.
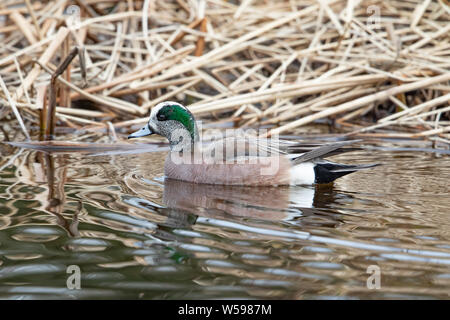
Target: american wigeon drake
[[240, 160]]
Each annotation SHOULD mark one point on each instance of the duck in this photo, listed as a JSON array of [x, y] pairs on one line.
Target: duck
[[241, 159]]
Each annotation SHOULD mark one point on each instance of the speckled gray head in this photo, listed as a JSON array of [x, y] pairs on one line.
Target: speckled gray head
[[173, 121]]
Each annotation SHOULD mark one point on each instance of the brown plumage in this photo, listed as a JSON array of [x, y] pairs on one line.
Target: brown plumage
[[246, 173]]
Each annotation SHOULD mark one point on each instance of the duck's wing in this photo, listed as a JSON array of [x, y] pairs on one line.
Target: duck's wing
[[298, 148], [324, 151], [237, 147], [244, 147], [307, 147]]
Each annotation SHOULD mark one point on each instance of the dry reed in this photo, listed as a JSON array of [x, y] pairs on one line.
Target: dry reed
[[282, 64]]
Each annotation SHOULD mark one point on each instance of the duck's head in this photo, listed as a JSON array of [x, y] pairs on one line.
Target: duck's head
[[173, 121]]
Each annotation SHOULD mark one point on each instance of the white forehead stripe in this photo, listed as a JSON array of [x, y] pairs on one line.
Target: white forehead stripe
[[163, 104]]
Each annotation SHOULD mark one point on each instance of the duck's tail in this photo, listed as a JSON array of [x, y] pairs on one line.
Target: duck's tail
[[326, 172]]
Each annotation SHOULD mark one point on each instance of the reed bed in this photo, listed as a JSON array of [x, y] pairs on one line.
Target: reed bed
[[368, 68]]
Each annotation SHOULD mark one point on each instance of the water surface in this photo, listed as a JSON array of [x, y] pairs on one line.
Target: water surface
[[134, 235]]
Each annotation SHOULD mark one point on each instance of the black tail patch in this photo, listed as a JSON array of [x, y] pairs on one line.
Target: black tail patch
[[327, 172]]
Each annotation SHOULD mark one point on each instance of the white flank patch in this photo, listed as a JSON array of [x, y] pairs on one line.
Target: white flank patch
[[303, 174]]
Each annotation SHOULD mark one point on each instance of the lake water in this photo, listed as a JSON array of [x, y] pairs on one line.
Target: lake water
[[135, 236]]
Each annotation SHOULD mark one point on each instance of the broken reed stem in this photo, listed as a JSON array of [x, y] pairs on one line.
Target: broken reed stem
[[181, 35], [41, 98], [64, 95], [107, 101], [201, 40], [50, 122]]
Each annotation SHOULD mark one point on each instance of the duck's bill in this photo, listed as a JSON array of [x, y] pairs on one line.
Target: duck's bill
[[145, 131]]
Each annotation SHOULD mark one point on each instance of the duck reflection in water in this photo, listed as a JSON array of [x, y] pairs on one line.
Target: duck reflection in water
[[267, 203]]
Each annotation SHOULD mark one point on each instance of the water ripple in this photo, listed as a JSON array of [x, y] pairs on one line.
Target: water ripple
[[135, 235]]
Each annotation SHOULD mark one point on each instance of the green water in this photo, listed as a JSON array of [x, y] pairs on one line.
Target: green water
[[134, 235]]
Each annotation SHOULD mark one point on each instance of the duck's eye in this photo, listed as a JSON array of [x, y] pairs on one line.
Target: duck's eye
[[165, 113]]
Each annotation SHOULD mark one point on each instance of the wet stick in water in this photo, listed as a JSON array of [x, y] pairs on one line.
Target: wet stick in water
[[50, 123]]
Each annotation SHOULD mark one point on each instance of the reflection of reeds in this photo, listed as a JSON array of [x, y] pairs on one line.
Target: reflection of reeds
[[279, 63], [46, 173]]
